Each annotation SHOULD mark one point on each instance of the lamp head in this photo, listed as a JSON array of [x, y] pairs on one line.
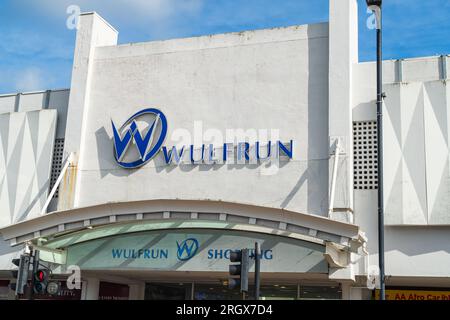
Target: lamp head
[[374, 3], [375, 6]]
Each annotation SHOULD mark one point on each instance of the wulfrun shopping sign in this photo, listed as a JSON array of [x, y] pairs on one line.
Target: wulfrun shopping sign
[[133, 149]]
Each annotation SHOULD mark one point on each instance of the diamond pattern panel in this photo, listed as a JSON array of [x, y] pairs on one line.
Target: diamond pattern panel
[[416, 154], [26, 147]]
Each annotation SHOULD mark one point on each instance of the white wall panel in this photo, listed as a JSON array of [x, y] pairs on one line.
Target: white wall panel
[[404, 155], [393, 152], [26, 144], [421, 70], [32, 101], [7, 103], [437, 165], [416, 154]]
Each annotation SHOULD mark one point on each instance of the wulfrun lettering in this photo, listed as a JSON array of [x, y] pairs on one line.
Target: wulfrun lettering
[[150, 144], [227, 153], [140, 253]]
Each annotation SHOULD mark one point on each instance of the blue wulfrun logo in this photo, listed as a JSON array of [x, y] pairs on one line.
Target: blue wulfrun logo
[[147, 145], [187, 249], [141, 138]]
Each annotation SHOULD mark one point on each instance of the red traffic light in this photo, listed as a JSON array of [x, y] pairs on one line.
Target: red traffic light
[[41, 275], [40, 281]]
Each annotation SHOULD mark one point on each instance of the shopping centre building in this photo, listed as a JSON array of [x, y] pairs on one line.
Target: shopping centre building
[[167, 155]]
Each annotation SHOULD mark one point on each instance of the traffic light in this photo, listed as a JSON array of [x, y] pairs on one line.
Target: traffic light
[[40, 281], [240, 269], [21, 274]]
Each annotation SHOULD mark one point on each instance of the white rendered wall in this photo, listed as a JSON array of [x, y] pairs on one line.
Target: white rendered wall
[[343, 57], [94, 32], [267, 79], [416, 135], [415, 94]]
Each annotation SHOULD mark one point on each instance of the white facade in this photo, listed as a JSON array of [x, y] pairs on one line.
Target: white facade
[[302, 84]]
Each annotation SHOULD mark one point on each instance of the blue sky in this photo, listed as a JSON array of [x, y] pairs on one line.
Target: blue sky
[[36, 46]]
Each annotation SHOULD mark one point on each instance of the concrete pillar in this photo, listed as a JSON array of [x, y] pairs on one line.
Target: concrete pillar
[[93, 32], [92, 289], [351, 293], [343, 55], [345, 291], [137, 291]]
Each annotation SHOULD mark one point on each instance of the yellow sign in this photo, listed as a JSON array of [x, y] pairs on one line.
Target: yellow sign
[[414, 295]]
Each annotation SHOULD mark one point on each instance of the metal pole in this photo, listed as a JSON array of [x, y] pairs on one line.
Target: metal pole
[[380, 160], [30, 287], [257, 270], [35, 269]]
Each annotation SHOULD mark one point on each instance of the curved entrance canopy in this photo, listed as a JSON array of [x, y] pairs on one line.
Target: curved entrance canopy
[[58, 231], [193, 250]]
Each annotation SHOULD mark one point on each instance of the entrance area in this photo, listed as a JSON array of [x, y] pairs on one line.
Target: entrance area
[[220, 291], [170, 285]]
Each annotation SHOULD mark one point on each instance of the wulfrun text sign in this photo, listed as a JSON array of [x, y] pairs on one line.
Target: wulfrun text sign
[[141, 138], [194, 250]]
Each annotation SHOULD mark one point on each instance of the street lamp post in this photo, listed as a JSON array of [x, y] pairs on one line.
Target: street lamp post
[[375, 6]]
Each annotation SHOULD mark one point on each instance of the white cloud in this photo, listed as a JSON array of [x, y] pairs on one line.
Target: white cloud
[[158, 9], [149, 10], [155, 18], [29, 80]]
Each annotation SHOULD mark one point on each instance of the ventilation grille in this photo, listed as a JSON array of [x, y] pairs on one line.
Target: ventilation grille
[[365, 155], [56, 163]]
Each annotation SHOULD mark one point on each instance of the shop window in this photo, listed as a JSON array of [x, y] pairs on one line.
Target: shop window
[[113, 291], [279, 292], [320, 292], [168, 291], [215, 292], [4, 289], [220, 291]]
